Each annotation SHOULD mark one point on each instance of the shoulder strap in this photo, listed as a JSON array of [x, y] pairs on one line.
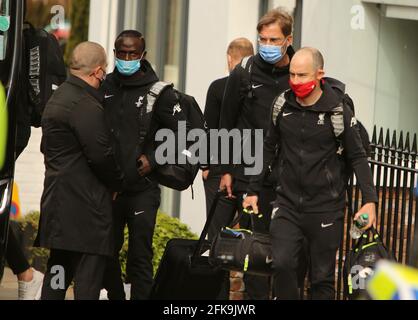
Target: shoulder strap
[[244, 63], [154, 93], [337, 122], [152, 96], [278, 105]]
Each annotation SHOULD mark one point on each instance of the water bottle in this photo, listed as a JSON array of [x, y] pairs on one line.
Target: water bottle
[[357, 225]]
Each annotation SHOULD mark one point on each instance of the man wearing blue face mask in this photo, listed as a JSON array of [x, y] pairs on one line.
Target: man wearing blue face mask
[[127, 114], [249, 94]]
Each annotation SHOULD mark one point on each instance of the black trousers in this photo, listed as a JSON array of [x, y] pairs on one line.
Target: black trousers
[[14, 254], [257, 287], [290, 233], [139, 212], [65, 266]]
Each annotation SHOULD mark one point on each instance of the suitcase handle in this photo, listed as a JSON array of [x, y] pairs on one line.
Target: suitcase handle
[[204, 233]]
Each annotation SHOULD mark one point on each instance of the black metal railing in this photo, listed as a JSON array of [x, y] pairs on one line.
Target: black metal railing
[[394, 166]]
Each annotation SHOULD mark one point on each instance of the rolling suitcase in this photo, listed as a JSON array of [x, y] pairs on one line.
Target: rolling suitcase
[[184, 272]]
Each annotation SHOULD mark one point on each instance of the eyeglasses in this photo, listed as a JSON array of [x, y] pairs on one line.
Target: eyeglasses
[[271, 41]]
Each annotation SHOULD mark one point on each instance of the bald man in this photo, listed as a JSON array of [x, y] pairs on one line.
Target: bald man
[[81, 173], [312, 185]]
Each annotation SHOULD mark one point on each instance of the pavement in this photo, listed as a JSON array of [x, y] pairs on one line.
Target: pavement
[[8, 287]]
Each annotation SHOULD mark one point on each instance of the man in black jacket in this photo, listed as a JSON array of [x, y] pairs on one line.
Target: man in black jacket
[[312, 177], [128, 115], [81, 173], [249, 94], [237, 50]]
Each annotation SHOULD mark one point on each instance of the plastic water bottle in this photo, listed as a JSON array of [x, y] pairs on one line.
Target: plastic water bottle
[[357, 225]]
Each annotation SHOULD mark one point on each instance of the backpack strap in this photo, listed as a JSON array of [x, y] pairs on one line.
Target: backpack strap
[[155, 92], [244, 63], [278, 105], [337, 122], [152, 96], [246, 81]]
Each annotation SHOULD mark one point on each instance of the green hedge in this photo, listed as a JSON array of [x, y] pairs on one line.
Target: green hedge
[[166, 228]]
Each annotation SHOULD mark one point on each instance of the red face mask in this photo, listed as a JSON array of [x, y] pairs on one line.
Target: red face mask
[[302, 90]]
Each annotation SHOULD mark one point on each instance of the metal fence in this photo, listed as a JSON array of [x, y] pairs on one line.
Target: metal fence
[[394, 165]]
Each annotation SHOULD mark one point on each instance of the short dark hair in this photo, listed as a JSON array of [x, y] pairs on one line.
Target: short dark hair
[[279, 16], [131, 34]]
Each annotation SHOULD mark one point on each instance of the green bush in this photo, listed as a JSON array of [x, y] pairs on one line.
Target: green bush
[[166, 228], [28, 227]]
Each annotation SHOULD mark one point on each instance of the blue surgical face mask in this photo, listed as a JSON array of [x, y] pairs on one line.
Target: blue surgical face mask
[[128, 68], [272, 54]]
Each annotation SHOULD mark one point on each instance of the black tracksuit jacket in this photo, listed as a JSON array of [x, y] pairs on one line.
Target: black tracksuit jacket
[[125, 108], [240, 111], [312, 176]]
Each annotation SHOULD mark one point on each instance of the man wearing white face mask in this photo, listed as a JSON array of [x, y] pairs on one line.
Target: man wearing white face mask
[[249, 94], [127, 114]]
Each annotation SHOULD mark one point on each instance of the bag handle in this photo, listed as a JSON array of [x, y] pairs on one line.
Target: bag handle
[[204, 233]]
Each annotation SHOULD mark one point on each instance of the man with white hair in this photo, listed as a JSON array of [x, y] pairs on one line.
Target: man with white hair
[[81, 174]]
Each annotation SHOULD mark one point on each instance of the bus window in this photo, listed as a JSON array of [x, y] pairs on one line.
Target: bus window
[[4, 26]]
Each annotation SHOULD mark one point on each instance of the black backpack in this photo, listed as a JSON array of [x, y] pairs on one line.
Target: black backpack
[[45, 69], [361, 262], [176, 176]]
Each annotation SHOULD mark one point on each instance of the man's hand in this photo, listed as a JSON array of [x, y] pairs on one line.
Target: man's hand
[[251, 201], [145, 168], [115, 196], [205, 175], [370, 210], [226, 184]]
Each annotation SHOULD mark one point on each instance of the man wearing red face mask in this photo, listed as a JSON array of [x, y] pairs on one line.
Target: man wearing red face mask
[[312, 179]]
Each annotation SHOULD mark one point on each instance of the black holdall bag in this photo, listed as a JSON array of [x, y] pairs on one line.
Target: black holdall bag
[[361, 262], [184, 272], [242, 250]]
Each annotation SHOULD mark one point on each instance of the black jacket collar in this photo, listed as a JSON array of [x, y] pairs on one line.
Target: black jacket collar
[[268, 68], [95, 93]]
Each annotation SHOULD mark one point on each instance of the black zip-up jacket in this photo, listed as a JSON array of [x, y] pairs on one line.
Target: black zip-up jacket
[[213, 104], [125, 109], [241, 112], [212, 115], [312, 175]]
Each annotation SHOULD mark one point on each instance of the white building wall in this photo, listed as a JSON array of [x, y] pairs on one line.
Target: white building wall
[[29, 174], [212, 26], [103, 24], [350, 54]]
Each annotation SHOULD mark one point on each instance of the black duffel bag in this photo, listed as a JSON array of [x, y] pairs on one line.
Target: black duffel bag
[[242, 250]]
